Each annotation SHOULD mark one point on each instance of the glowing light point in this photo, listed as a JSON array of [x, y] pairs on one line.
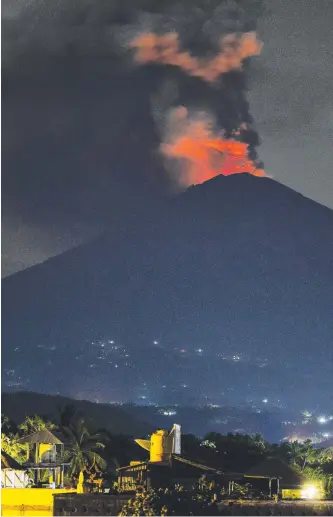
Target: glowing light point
[[265, 401], [322, 420], [310, 492]]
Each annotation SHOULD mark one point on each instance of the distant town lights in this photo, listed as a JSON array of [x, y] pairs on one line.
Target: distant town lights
[[169, 413]]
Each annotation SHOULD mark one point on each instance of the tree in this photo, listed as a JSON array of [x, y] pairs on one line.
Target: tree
[[10, 445], [295, 452], [7, 425], [303, 454], [309, 455], [35, 423], [82, 452], [9, 440], [119, 450], [326, 455], [317, 477], [259, 442]]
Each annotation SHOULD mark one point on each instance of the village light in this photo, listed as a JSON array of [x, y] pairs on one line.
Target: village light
[[309, 492]]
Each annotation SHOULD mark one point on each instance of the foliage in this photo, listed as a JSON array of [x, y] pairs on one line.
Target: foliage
[[6, 425], [34, 424], [326, 455], [119, 450], [173, 501], [10, 445], [82, 453], [303, 454], [232, 451], [317, 477]]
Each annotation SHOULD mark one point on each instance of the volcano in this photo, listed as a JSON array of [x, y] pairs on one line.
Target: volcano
[[237, 265]]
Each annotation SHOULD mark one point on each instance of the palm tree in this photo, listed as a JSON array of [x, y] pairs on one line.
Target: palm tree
[[259, 442], [303, 454], [326, 455], [295, 452], [82, 451], [309, 454]]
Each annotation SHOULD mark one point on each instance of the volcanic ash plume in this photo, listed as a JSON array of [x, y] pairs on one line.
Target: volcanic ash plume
[[201, 151], [165, 50], [190, 142]]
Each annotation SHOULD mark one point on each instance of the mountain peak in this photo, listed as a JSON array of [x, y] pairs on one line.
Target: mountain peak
[[238, 265]]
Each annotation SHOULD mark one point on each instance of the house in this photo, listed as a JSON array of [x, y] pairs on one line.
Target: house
[[282, 479], [45, 452], [13, 474], [23, 496]]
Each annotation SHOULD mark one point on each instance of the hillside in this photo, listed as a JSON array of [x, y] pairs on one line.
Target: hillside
[[140, 421], [105, 416], [238, 265]]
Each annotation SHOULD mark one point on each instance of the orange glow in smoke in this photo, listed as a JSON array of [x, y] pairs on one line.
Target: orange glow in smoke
[[202, 153], [165, 50]]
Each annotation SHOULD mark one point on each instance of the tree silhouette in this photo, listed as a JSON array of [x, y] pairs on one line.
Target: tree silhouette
[[83, 448]]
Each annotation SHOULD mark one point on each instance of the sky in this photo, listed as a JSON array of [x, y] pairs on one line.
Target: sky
[[72, 159]]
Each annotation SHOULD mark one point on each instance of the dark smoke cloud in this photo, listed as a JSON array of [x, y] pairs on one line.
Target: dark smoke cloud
[[74, 147], [96, 28]]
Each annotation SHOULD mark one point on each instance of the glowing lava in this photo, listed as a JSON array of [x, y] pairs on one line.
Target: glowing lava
[[202, 153]]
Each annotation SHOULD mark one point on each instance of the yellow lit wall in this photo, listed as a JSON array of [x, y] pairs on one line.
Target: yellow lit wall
[[29, 501], [291, 494], [44, 448]]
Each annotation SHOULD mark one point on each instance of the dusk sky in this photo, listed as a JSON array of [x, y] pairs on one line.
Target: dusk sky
[[67, 115]]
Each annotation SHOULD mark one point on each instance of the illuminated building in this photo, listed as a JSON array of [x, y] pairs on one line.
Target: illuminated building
[[45, 451], [165, 467], [21, 495]]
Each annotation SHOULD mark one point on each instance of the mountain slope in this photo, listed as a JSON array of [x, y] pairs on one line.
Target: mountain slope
[[101, 416], [238, 263]]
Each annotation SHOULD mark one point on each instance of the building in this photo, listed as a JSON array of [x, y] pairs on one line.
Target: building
[[166, 467], [13, 475], [281, 479], [150, 474], [45, 452]]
